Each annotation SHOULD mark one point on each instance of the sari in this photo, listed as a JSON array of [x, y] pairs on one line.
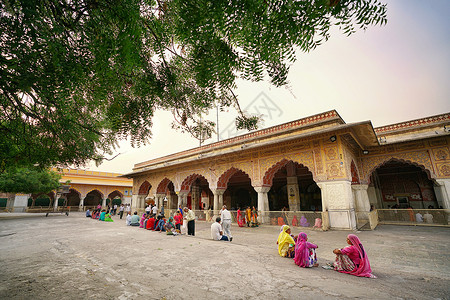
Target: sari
[[295, 221], [169, 225], [240, 218], [102, 216], [248, 215], [305, 254], [360, 268], [303, 221], [284, 241], [108, 218], [150, 223], [254, 217], [281, 221], [141, 222]]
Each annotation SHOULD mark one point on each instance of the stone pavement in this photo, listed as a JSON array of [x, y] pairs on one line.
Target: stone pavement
[[72, 257]]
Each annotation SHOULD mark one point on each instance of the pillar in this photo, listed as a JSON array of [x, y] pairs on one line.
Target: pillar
[[362, 202], [263, 203], [103, 202], [218, 200], [81, 206], [442, 191], [182, 199], [134, 203], [293, 193], [337, 201]]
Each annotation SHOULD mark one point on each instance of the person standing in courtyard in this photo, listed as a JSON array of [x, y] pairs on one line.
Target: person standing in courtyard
[[115, 209], [178, 220], [225, 216], [121, 209], [128, 209], [155, 210], [216, 231], [248, 215], [190, 219]]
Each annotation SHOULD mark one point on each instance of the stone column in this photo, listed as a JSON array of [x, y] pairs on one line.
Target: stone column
[[134, 203], [103, 202], [55, 204], [442, 192], [182, 199], [263, 203], [81, 206], [362, 202], [337, 200], [293, 193], [218, 201]]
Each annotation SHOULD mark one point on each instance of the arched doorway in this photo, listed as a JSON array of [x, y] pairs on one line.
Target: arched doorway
[[115, 197], [143, 192], [239, 191], [292, 188], [73, 198], [93, 198], [166, 188], [193, 187], [397, 184]]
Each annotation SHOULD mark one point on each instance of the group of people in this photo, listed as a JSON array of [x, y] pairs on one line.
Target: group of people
[[221, 229], [100, 214], [352, 259], [249, 217], [157, 222]]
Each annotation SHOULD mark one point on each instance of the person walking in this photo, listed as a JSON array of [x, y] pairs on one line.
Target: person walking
[[128, 209], [115, 209], [226, 222], [190, 218], [121, 208]]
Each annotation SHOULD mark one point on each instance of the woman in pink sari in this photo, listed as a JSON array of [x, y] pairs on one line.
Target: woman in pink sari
[[353, 259], [141, 222], [240, 218], [305, 253]]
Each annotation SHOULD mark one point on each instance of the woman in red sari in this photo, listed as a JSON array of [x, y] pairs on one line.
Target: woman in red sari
[[240, 218]]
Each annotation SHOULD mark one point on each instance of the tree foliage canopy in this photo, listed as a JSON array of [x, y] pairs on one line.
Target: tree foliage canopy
[[78, 75], [29, 181]]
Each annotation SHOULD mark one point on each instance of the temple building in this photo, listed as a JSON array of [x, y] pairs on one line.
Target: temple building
[[318, 163]]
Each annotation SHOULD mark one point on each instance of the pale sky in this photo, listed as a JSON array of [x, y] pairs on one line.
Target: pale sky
[[387, 74]]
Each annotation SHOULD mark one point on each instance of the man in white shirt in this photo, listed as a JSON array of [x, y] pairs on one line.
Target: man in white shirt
[[155, 210], [225, 215], [428, 217], [190, 218], [147, 209], [419, 218], [121, 208], [115, 209], [216, 231]]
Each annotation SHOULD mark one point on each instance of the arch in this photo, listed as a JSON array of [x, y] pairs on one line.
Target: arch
[[187, 182], [395, 159], [270, 173], [96, 190], [354, 173], [163, 185], [73, 197], [144, 188], [93, 197], [114, 194], [222, 182]]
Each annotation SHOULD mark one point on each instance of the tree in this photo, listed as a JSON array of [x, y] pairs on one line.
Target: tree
[[28, 181], [79, 75]]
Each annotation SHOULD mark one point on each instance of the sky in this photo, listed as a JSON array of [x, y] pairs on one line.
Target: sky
[[388, 74]]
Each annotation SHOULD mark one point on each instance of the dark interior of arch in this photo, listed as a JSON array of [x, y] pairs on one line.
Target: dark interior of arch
[[401, 185], [240, 192], [310, 195], [93, 198]]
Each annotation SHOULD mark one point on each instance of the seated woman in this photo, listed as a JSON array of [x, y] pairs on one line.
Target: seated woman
[[88, 214], [353, 259], [108, 218], [102, 216], [305, 253], [141, 222], [160, 224], [304, 221], [170, 226], [286, 242], [151, 223]]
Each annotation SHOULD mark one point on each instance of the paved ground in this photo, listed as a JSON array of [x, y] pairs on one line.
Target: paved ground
[[72, 257]]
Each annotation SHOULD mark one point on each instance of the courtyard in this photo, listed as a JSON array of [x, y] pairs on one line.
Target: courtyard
[[72, 257]]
